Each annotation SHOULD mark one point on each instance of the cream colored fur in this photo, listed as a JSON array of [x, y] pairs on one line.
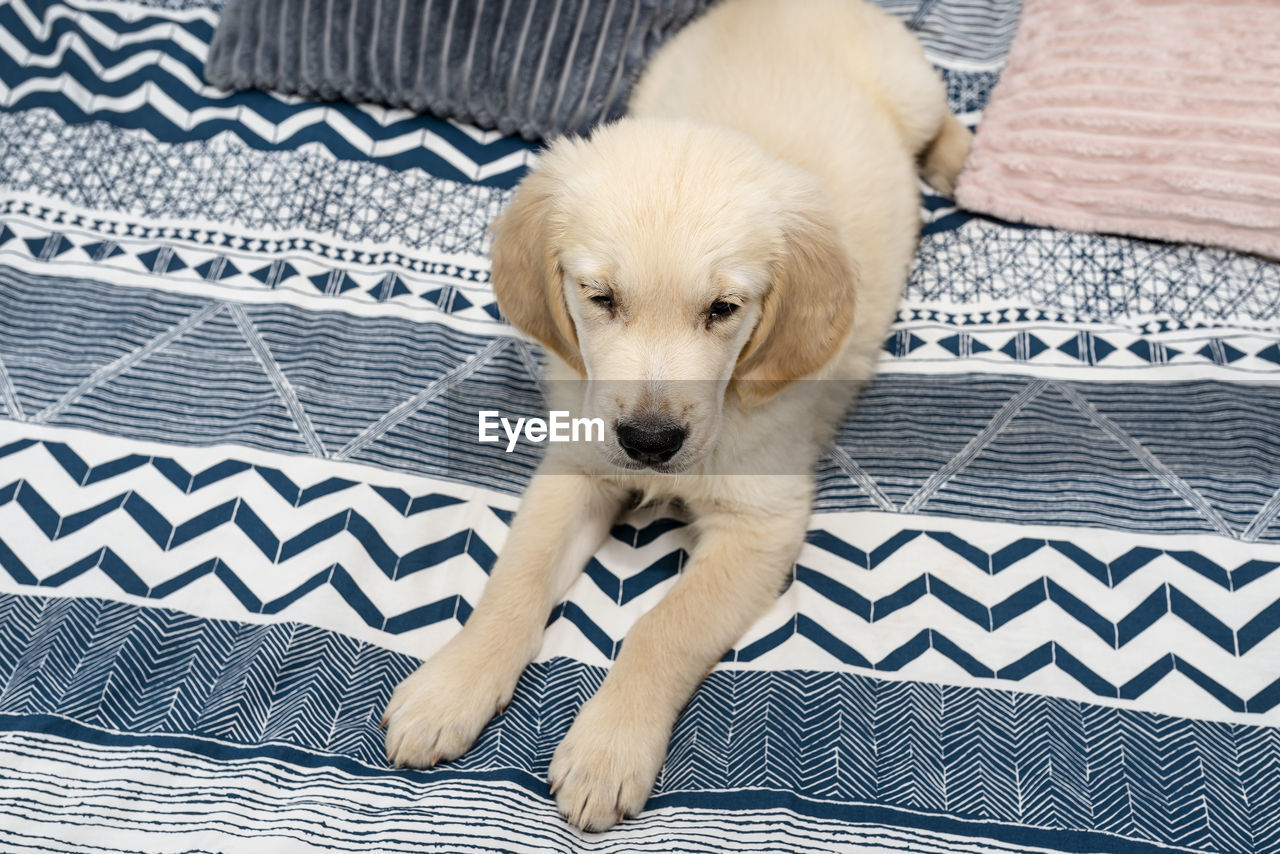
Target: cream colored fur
[[770, 160]]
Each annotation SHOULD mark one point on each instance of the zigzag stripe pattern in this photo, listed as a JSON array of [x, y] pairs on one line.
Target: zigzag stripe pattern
[[81, 67], [371, 549], [898, 744], [1111, 573], [239, 513], [188, 482]]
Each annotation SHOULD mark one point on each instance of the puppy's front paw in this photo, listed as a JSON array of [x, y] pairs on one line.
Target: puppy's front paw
[[604, 769], [436, 713]]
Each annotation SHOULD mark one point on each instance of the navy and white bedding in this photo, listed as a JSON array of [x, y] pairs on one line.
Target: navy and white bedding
[[1037, 610]]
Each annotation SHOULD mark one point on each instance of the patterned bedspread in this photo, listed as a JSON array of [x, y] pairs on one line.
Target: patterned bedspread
[[1037, 610]]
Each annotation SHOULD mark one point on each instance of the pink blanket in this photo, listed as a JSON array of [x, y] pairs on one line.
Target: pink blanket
[[1153, 118]]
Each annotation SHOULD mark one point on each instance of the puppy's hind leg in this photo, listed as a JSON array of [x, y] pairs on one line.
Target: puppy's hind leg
[[942, 160], [437, 712]]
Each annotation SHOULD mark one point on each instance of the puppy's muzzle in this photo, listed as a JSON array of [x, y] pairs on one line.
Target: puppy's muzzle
[[650, 442]]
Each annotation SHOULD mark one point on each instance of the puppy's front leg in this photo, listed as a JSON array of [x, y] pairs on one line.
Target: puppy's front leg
[[605, 768], [436, 713]]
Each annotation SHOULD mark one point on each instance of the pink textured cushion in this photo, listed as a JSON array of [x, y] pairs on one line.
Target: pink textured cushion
[[1153, 118]]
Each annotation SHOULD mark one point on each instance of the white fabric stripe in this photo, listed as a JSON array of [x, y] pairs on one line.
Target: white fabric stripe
[[159, 799], [192, 13], [246, 245], [99, 31]]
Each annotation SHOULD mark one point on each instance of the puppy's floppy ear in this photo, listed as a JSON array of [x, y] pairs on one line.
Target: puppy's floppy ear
[[526, 274], [808, 310]]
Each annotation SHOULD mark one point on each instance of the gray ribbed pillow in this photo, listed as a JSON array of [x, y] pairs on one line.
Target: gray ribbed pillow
[[533, 67]]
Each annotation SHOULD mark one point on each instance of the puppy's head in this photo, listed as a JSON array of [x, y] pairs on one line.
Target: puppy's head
[[667, 262]]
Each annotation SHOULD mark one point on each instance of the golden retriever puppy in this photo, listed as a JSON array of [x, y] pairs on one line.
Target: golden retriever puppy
[[713, 276]]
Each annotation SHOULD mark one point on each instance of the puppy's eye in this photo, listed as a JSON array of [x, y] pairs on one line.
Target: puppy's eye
[[605, 301], [720, 310]]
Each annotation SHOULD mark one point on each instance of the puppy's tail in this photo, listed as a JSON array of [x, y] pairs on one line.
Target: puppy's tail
[[942, 159]]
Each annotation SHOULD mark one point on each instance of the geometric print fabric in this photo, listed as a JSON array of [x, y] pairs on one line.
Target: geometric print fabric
[[1037, 608]]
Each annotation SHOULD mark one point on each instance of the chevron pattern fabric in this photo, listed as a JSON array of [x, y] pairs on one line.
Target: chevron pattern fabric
[[242, 339]]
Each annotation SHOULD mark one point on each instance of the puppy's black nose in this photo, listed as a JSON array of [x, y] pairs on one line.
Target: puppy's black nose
[[650, 442]]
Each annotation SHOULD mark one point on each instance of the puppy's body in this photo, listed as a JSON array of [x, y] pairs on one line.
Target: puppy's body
[[839, 89], [721, 267]]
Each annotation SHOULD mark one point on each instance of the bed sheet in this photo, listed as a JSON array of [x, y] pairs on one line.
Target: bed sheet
[[1037, 609]]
